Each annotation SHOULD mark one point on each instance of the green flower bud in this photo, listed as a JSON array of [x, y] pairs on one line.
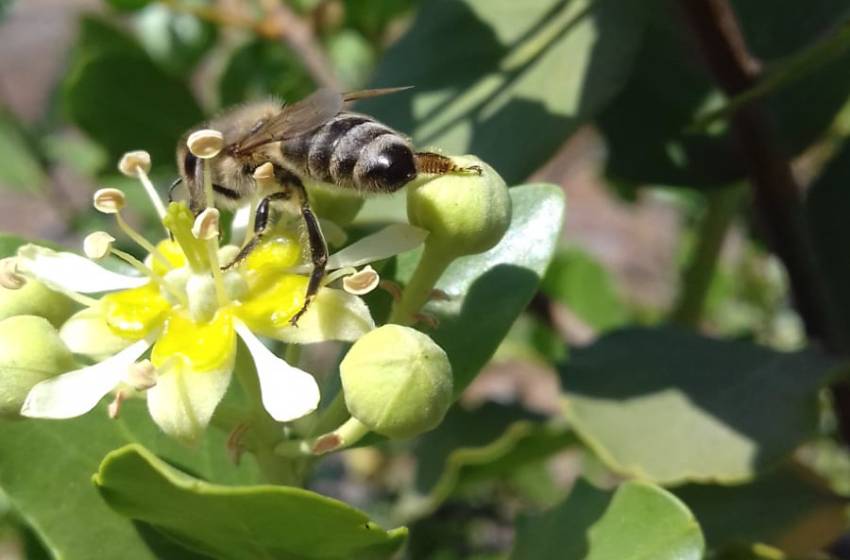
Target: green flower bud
[[337, 205], [397, 381], [34, 298], [464, 213], [30, 351]]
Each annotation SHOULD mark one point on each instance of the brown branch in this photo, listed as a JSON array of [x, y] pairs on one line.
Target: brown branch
[[776, 192], [279, 24], [298, 35]]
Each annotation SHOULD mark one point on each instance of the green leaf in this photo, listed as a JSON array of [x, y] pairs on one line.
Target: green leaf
[[46, 469], [22, 167], [639, 522], [128, 5], [239, 522], [507, 81], [782, 508], [262, 67], [471, 326], [671, 406], [482, 444], [123, 100], [578, 281], [647, 126], [177, 41], [826, 207]]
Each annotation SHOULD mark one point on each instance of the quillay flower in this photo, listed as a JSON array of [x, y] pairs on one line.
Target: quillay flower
[[185, 313]]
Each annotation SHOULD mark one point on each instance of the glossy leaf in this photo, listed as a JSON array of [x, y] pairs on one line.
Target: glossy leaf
[[260, 68], [637, 522], [485, 443], [508, 81], [46, 468], [578, 281], [471, 326], [176, 41], [128, 5], [671, 406], [647, 125], [826, 206], [782, 508], [22, 167], [154, 108], [239, 522]]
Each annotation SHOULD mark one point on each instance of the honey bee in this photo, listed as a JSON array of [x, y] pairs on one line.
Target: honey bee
[[315, 139]]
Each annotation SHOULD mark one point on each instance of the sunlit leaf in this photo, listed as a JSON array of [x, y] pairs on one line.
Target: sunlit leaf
[[239, 521], [637, 522], [508, 81], [671, 406]]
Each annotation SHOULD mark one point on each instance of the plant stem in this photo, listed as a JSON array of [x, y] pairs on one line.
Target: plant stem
[[696, 280], [776, 192], [417, 292], [266, 434]]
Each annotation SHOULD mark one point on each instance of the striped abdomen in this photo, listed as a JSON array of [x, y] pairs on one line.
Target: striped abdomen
[[353, 151]]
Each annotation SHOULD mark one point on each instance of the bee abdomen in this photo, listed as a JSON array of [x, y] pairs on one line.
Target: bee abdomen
[[353, 151], [325, 141], [385, 165]]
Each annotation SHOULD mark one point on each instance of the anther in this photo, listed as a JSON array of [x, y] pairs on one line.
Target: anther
[[109, 201], [10, 278], [141, 375], [97, 245], [206, 225], [133, 163], [361, 282], [206, 143]]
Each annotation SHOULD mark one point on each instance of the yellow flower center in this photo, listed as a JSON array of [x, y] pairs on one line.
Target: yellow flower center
[[134, 313], [201, 346]]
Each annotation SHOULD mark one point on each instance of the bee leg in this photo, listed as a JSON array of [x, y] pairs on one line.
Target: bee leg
[[261, 223], [316, 242], [430, 163]]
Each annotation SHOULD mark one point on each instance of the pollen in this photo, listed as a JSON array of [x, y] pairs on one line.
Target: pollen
[[134, 313], [200, 346], [274, 304]]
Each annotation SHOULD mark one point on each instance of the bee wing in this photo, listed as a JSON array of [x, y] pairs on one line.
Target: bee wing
[[298, 118], [307, 114], [367, 93]]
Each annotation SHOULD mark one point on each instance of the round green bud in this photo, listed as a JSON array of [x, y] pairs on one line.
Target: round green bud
[[30, 351], [337, 205], [465, 213], [397, 381], [34, 298]]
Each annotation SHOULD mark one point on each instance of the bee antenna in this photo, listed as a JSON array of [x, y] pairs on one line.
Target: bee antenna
[[172, 188]]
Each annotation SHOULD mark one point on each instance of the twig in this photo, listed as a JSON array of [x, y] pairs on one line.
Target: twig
[[696, 280], [776, 192], [287, 26], [279, 24]]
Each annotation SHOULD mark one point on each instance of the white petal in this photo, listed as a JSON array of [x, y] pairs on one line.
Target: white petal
[[87, 333], [383, 244], [74, 393], [333, 315], [73, 273], [288, 392], [183, 401]]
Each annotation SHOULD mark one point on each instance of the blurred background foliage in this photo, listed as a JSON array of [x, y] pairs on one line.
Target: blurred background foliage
[[670, 220]]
